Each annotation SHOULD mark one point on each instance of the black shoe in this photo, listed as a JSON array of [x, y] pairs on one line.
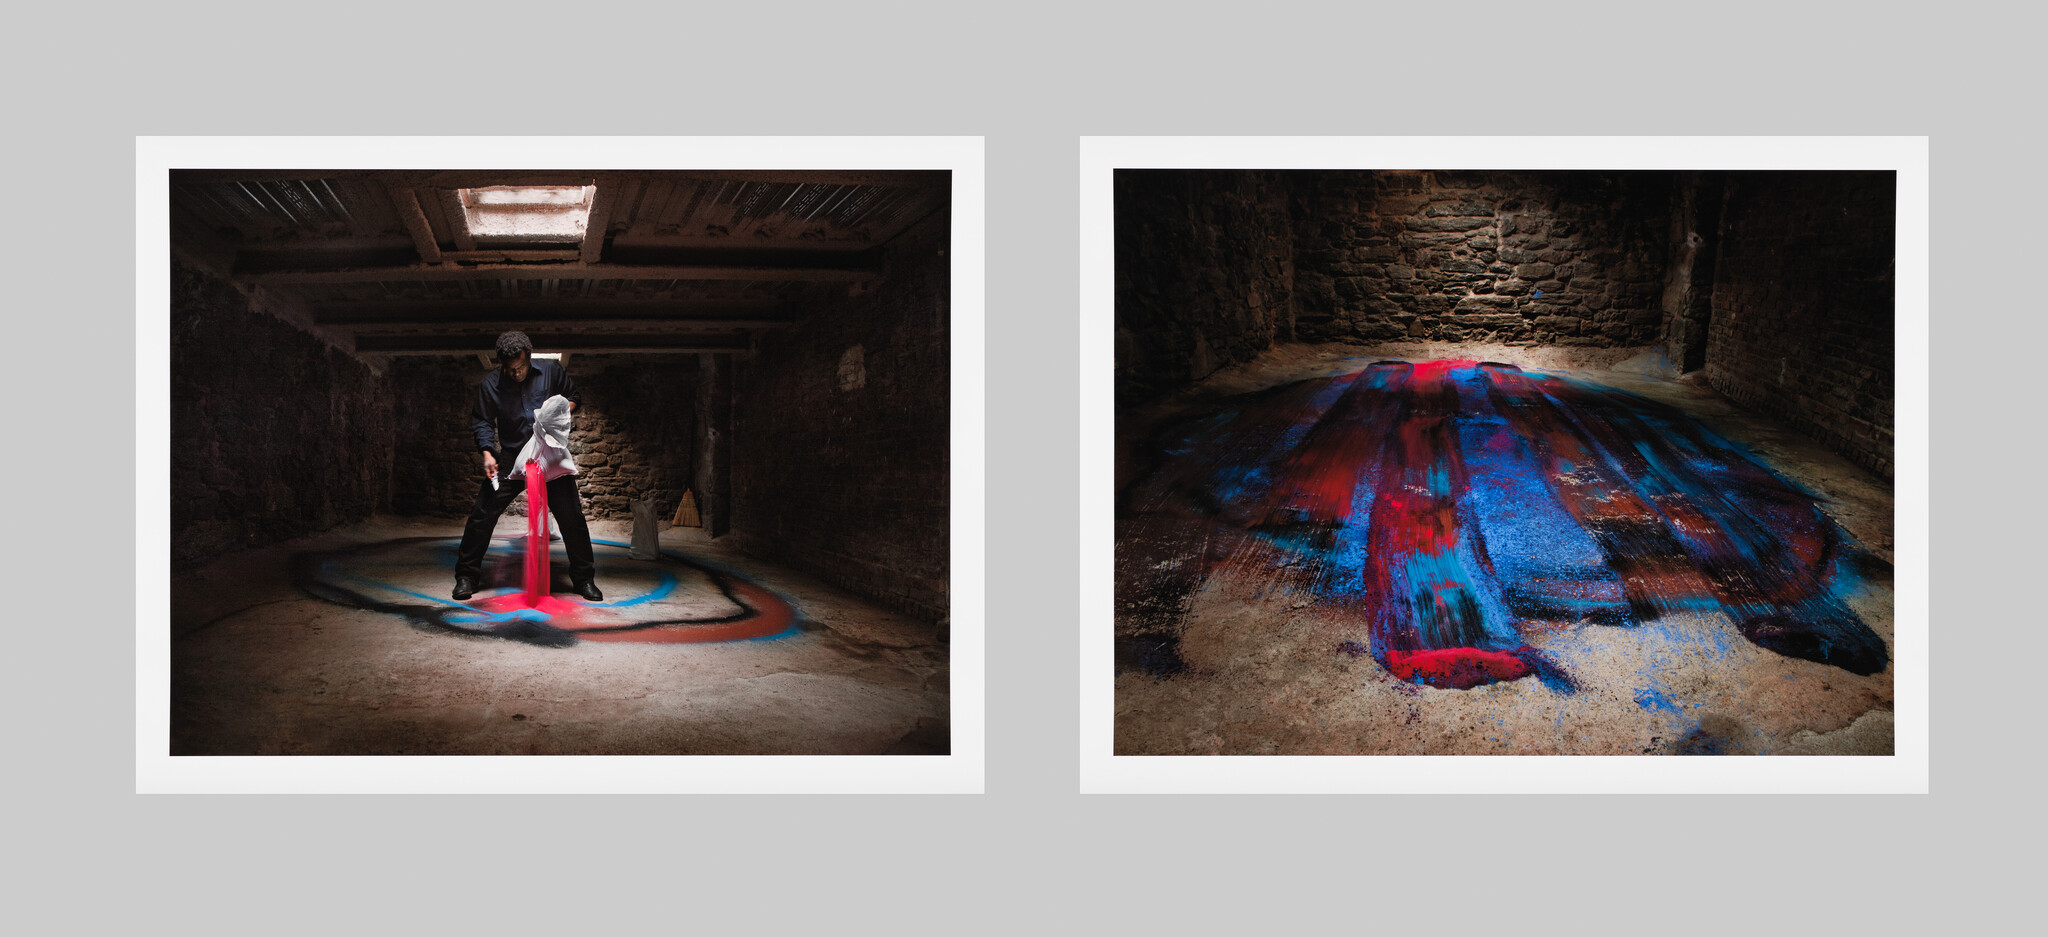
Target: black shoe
[[587, 589], [464, 587]]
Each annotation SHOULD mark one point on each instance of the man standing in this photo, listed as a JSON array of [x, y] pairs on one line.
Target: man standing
[[504, 420]]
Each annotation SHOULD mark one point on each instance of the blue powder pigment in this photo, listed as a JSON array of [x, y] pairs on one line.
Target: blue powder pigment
[[1509, 498], [1651, 699]]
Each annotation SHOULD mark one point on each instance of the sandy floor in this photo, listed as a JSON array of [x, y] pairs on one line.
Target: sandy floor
[[1263, 677], [260, 666]]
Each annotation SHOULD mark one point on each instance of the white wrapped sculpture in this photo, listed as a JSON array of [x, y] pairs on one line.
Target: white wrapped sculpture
[[550, 442]]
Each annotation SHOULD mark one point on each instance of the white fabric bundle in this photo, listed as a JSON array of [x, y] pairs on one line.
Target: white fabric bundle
[[550, 442]]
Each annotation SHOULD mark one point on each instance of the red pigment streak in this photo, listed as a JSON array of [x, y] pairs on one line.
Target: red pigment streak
[[1435, 372], [773, 615], [537, 577], [774, 618], [557, 610], [1457, 668], [1325, 474]]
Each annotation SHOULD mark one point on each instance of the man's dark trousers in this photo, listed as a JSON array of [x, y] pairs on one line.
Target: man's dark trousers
[[491, 503]]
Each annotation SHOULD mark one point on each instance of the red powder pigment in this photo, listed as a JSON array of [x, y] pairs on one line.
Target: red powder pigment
[[773, 615], [1460, 668], [536, 535]]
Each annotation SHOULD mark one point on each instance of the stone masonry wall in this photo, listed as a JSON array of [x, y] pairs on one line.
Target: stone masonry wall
[[1518, 258], [631, 436], [634, 431], [1803, 305], [1778, 284], [1214, 266], [1204, 273], [436, 466], [273, 434], [841, 438]]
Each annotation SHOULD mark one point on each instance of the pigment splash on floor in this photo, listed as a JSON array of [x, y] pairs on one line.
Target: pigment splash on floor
[[1452, 521], [671, 599]]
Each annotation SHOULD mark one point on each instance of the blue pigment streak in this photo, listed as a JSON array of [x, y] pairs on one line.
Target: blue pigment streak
[[1550, 489], [1649, 698]]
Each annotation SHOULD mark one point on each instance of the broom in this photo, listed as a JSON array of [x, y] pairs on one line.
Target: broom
[[686, 512]]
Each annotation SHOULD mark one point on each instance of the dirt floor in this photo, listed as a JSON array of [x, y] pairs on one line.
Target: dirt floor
[[1265, 675], [348, 643]]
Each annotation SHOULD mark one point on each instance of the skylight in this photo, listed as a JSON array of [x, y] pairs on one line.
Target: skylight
[[525, 213]]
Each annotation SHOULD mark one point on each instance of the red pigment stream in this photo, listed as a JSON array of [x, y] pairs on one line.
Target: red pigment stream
[[773, 614], [536, 535]]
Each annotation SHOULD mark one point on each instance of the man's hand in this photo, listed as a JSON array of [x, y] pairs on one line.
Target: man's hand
[[490, 465]]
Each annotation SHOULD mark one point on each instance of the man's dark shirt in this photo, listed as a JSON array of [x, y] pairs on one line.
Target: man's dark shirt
[[508, 406]]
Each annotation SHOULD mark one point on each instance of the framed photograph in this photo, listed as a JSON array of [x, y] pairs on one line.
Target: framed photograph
[[1504, 464], [649, 462]]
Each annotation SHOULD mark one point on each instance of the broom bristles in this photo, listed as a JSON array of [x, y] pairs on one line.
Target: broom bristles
[[686, 512]]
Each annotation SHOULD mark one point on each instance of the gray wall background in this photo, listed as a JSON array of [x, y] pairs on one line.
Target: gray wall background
[[1292, 863]]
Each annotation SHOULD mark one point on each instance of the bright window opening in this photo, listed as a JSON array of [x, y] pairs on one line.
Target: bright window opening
[[489, 360], [526, 213]]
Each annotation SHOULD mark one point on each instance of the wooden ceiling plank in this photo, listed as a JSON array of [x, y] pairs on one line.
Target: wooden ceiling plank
[[354, 311], [415, 218], [910, 178], [230, 176], [500, 323], [509, 255], [458, 220], [478, 179], [554, 341], [600, 217], [513, 271], [199, 239]]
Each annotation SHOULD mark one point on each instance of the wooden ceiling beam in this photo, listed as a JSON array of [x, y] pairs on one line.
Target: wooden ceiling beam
[[475, 178], [496, 324], [406, 199], [600, 216], [555, 341], [577, 270], [481, 178], [511, 255], [754, 313], [907, 178], [458, 220]]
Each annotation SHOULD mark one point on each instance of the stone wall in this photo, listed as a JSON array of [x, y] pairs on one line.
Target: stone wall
[[274, 434], [436, 467], [1777, 285], [1213, 266], [634, 431], [631, 438], [1204, 273], [1516, 258], [1694, 244], [1803, 305], [841, 438]]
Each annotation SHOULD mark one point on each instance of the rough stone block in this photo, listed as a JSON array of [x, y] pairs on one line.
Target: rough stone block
[[1446, 224], [1463, 208]]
